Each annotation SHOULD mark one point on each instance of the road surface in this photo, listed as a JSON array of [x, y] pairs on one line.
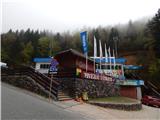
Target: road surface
[[18, 105]]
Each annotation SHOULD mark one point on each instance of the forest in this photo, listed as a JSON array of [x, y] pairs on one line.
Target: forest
[[21, 46]]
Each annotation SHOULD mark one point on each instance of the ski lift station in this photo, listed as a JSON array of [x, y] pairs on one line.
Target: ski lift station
[[74, 66]]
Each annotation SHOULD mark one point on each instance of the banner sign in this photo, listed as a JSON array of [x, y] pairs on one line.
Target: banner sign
[[132, 82], [114, 73], [83, 36], [97, 77]]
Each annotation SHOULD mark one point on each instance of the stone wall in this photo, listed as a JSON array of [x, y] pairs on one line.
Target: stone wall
[[67, 85], [94, 88], [119, 106]]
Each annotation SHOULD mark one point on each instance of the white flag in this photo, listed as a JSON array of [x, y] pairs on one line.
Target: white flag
[[109, 56], [109, 52], [106, 54], [100, 47], [101, 55], [95, 53], [114, 60], [95, 47]]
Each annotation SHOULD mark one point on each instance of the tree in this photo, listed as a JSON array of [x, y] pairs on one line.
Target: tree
[[131, 31], [11, 47], [27, 53], [43, 47], [154, 29], [152, 35], [114, 40]]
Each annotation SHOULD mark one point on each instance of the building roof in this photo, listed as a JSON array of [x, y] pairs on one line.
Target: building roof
[[132, 67], [2, 64], [117, 60], [48, 60], [74, 52]]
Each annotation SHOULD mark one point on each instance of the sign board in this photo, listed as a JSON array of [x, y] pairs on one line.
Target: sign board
[[114, 73], [96, 76], [132, 82], [53, 67]]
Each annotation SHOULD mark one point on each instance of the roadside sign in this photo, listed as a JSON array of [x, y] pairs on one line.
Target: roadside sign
[[53, 67]]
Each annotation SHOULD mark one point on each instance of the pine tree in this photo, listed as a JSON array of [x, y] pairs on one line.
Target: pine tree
[[154, 29]]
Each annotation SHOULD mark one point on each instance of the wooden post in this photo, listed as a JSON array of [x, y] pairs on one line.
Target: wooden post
[[50, 88]]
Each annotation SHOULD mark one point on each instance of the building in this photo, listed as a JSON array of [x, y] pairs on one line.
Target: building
[[42, 64], [71, 60], [76, 73], [76, 78], [130, 84]]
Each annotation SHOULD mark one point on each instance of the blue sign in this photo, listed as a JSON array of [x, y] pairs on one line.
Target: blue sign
[[84, 42], [53, 66]]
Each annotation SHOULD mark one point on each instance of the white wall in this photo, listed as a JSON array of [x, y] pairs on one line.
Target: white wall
[[41, 70], [139, 93]]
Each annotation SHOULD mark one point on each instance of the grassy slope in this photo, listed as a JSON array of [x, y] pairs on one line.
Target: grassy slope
[[114, 99]]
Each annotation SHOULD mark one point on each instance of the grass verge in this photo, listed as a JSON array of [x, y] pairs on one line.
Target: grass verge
[[117, 99]]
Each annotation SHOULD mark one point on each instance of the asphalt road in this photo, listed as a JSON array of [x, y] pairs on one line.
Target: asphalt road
[[16, 104], [23, 105]]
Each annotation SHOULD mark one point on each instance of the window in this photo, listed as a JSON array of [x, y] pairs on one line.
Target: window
[[44, 66]]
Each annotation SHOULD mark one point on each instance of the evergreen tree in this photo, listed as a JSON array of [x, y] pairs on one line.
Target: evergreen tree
[[114, 40], [154, 29]]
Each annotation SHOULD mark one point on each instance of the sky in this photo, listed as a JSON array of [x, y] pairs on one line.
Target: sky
[[70, 15]]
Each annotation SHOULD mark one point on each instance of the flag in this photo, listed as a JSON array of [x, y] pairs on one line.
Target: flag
[[95, 53], [106, 54], [95, 47], [101, 55], [83, 36], [109, 53], [109, 56], [114, 60], [100, 48]]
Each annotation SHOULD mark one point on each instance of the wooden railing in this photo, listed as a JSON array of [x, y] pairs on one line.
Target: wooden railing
[[43, 80]]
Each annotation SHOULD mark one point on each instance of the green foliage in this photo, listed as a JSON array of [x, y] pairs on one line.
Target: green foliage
[[22, 46], [154, 30], [43, 47], [27, 53], [154, 69]]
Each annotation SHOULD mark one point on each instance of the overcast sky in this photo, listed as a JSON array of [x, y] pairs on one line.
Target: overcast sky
[[63, 15]]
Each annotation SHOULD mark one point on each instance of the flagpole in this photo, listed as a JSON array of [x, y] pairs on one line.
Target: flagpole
[[94, 65], [50, 89], [114, 59], [86, 62]]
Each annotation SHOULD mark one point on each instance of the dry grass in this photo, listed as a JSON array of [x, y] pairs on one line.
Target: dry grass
[[117, 99]]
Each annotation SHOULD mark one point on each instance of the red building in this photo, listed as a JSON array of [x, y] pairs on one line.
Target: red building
[[73, 64], [71, 59]]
